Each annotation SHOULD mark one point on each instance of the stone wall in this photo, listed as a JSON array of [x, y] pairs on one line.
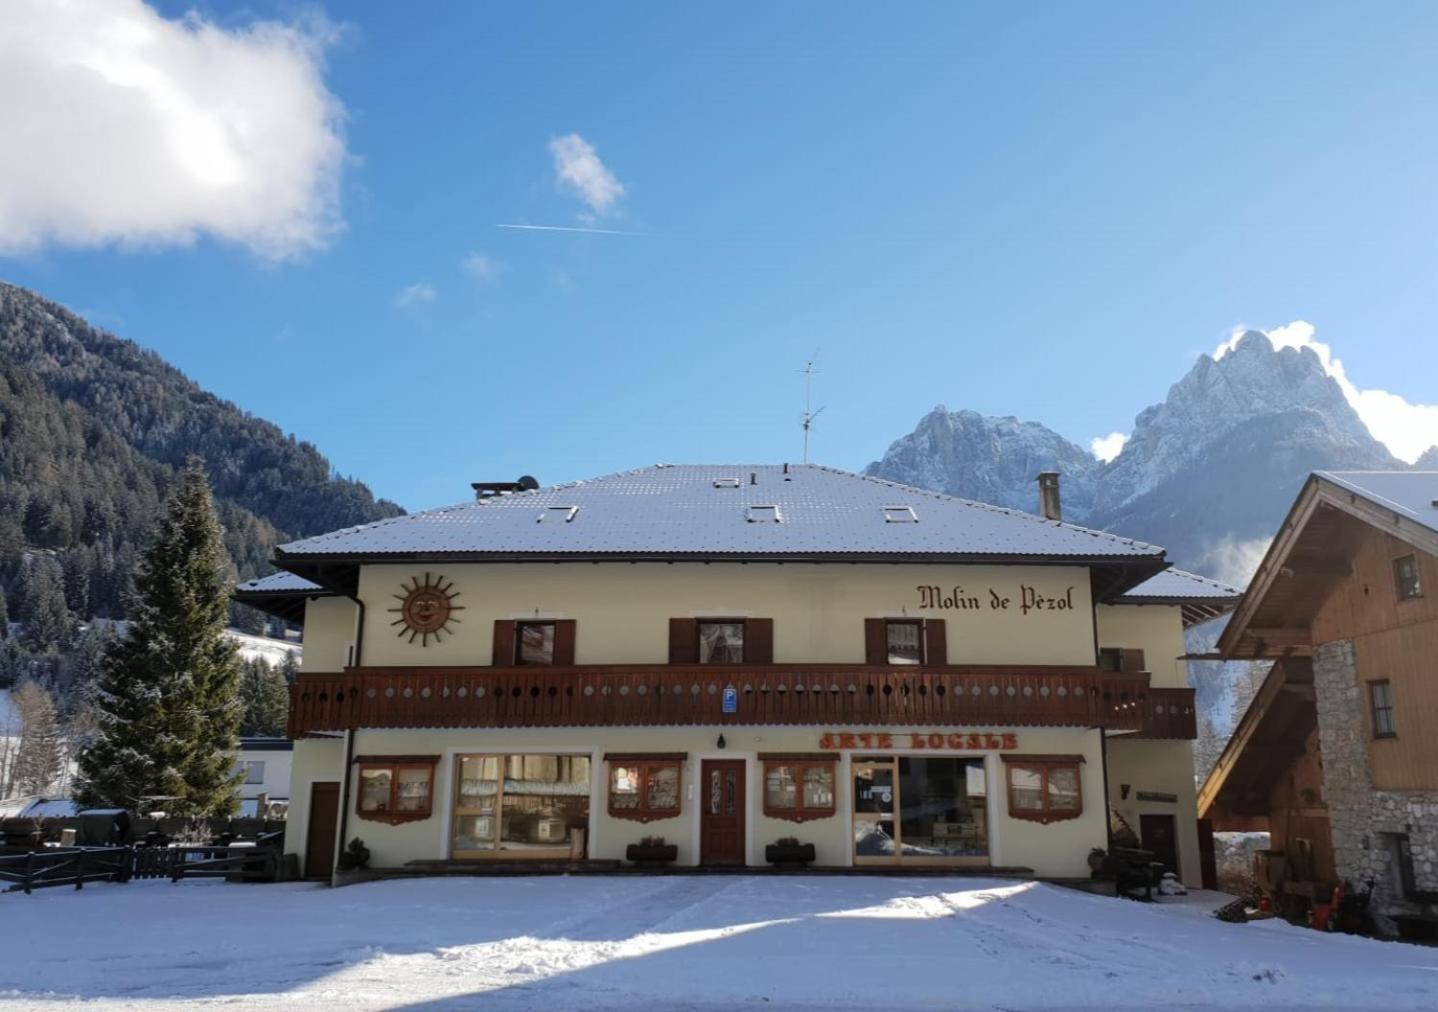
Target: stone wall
[[1361, 817]]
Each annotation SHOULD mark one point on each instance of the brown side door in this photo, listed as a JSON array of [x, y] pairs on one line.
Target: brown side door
[[721, 818], [320, 836], [1160, 835]]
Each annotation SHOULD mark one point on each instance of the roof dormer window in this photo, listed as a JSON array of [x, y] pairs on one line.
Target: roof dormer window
[[763, 515], [900, 515], [557, 514]]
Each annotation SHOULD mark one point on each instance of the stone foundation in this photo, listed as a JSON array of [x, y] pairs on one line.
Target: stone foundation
[[1361, 815]]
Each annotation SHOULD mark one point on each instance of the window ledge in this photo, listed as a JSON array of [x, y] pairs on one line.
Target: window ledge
[[798, 814], [393, 818]]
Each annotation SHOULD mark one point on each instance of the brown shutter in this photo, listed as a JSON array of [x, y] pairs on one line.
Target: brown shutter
[[564, 630], [1130, 660], [876, 641], [936, 643], [758, 641], [503, 643], [683, 641]]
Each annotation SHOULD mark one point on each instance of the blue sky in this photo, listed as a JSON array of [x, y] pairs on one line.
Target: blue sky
[[1041, 210]]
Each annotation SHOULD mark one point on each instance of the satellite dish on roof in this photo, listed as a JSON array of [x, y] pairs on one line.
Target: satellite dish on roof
[[528, 482]]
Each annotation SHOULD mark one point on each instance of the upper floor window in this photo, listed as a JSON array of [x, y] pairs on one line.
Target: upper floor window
[[721, 641], [1405, 572], [534, 643], [1044, 788], [398, 789], [1110, 659], [1380, 702], [904, 639]]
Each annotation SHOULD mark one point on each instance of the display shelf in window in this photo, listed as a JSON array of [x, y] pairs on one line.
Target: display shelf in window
[[395, 790], [645, 788], [1044, 788], [799, 789]]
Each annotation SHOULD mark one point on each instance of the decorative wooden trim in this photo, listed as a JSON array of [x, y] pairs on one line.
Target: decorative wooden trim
[[392, 760], [936, 643], [758, 641], [648, 766], [392, 815], [800, 812], [1044, 766], [798, 757], [646, 757], [683, 641]]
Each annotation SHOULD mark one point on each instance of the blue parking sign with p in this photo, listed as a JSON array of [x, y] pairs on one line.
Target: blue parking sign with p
[[731, 699]]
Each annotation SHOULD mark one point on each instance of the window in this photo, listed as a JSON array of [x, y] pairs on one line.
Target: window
[[253, 769], [905, 641], [763, 514], [798, 789], [1110, 659], [1405, 572], [721, 642], [1380, 701], [395, 790], [524, 803], [1401, 875], [534, 643], [900, 515], [557, 514], [1044, 789], [643, 787]]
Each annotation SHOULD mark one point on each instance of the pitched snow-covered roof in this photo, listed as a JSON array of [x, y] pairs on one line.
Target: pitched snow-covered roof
[[1200, 597], [734, 511], [280, 583], [1413, 494]]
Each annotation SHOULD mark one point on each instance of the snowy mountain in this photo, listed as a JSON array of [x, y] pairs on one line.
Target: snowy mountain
[[1208, 473]]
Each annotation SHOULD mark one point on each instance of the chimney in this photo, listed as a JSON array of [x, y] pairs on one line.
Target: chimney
[[490, 489], [1049, 504]]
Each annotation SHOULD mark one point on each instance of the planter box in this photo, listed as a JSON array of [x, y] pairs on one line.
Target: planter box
[[789, 854], [644, 854]]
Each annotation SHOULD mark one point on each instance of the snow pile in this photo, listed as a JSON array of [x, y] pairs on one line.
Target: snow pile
[[691, 942]]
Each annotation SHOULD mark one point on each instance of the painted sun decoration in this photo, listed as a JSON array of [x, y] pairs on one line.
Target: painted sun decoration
[[426, 609]]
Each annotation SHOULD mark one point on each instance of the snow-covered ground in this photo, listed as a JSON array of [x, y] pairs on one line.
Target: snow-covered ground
[[680, 942], [265, 648]]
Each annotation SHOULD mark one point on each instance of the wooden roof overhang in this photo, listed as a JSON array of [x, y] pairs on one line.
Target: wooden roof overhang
[[287, 605], [1270, 735], [1311, 553]]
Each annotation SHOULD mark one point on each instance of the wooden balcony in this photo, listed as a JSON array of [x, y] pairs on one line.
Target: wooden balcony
[[677, 695]]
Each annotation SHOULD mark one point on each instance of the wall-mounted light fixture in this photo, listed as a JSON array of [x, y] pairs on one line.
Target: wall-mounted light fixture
[[720, 743]]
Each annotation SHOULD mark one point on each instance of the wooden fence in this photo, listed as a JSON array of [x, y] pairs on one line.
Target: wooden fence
[[75, 866]]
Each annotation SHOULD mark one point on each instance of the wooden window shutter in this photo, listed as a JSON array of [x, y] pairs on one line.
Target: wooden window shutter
[[1130, 660], [936, 643], [503, 643], [683, 641], [876, 641], [564, 630], [758, 641]]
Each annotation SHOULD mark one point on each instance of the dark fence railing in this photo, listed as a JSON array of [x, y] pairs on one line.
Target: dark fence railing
[[75, 866], [840, 695]]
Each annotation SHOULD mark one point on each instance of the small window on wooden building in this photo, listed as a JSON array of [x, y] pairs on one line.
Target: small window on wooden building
[[721, 641], [798, 789], [534, 643], [1405, 572], [397, 790], [644, 788], [1380, 701], [905, 641], [1044, 788]]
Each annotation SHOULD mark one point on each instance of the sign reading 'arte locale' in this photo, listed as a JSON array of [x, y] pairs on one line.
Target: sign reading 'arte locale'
[[971, 740]]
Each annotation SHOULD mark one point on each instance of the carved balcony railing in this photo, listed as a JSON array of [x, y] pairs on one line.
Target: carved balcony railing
[[677, 695]]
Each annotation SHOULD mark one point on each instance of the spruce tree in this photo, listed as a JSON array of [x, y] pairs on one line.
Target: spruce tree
[[4, 616], [41, 752], [48, 622], [266, 697], [168, 693]]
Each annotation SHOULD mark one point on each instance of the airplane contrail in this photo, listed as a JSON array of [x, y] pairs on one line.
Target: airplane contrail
[[570, 228]]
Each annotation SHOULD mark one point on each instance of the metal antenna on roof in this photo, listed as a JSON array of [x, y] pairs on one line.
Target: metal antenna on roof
[[809, 416]]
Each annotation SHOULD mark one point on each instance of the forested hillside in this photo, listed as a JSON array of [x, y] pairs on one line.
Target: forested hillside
[[92, 432]]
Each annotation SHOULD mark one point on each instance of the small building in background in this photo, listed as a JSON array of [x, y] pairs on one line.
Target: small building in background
[[1336, 756], [266, 762]]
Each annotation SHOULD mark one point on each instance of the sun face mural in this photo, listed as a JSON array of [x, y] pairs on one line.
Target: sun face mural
[[426, 609]]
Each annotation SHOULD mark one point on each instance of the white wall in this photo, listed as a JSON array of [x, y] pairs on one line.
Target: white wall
[[1164, 767], [1156, 629]]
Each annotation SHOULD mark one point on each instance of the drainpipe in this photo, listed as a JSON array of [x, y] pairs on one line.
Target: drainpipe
[[358, 658], [1107, 811], [341, 843]]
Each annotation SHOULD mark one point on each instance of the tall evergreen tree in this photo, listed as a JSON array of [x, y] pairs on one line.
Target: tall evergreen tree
[[41, 752], [48, 622], [4, 615], [266, 698], [168, 695]]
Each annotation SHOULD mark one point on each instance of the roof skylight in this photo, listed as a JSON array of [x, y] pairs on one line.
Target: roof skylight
[[763, 514], [557, 514], [727, 483], [900, 515]]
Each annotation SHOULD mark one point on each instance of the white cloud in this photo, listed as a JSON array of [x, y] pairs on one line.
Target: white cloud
[[1106, 448], [122, 126], [418, 294], [1406, 429], [480, 267], [1234, 560], [578, 167]]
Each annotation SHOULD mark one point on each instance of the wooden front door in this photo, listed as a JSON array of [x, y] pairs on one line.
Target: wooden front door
[[320, 836], [1160, 835], [721, 819]]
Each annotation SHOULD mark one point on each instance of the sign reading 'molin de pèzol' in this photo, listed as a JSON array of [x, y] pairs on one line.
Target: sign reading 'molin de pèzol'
[[1024, 600]]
